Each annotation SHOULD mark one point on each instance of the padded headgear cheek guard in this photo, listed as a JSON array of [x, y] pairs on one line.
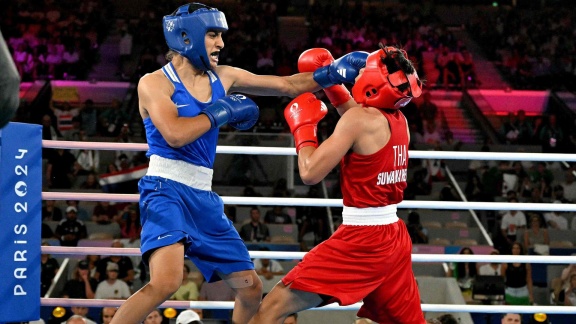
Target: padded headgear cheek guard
[[378, 88], [185, 31]]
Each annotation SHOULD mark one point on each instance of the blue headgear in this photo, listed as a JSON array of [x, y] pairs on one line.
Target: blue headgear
[[184, 25]]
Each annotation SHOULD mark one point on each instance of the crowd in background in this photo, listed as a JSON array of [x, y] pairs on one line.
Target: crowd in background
[[62, 40]]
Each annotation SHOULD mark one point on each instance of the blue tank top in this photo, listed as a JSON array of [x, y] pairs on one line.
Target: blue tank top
[[202, 151]]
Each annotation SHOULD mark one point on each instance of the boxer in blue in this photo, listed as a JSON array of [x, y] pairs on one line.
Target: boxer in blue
[[183, 105]]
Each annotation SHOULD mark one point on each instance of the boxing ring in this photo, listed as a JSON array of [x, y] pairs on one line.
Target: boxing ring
[[411, 204]]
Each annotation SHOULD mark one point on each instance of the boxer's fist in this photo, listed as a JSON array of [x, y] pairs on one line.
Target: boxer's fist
[[314, 58], [302, 115], [343, 70], [237, 110]]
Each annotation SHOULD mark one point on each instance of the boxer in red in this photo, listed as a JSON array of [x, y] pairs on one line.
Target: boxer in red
[[369, 257]]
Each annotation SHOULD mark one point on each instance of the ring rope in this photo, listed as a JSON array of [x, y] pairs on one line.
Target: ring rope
[[448, 308], [270, 201], [554, 259], [265, 150], [328, 203]]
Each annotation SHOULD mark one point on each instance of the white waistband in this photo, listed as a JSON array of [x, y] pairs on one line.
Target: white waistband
[[180, 171], [370, 215]]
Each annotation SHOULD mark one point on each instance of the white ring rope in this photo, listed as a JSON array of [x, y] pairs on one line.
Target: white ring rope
[[448, 308], [414, 204], [264, 150], [553, 259], [270, 201]]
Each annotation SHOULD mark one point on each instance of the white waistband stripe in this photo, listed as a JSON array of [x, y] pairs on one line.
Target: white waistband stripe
[[370, 215], [189, 174]]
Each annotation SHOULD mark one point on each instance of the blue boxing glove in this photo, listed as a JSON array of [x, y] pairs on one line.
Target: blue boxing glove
[[343, 70], [237, 110]]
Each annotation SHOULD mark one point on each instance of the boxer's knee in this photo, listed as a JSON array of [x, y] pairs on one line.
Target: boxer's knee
[[247, 285]]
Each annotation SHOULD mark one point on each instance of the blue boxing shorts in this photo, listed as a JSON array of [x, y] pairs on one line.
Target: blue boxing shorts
[[174, 212]]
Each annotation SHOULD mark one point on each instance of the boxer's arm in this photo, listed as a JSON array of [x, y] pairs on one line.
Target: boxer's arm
[[314, 164], [239, 80], [154, 92]]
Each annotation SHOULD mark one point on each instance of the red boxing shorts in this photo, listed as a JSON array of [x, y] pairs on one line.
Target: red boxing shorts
[[372, 264]]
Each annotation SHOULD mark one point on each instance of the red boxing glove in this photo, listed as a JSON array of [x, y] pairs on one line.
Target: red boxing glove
[[314, 58], [302, 115]]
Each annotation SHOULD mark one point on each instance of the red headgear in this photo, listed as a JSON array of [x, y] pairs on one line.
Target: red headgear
[[377, 88]]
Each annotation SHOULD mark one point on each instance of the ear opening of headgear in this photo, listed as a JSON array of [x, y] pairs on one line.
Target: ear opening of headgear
[[186, 28], [389, 80]]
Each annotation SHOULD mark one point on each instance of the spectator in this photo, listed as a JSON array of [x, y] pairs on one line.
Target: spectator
[[112, 287], [417, 185], [91, 182], [87, 161], [464, 272], [125, 47], [81, 285], [536, 234], [491, 269], [49, 268], [570, 299], [92, 264], [468, 69], [432, 135], [518, 279], [558, 194], [418, 234], [280, 188], [71, 230], [49, 132], [59, 169], [216, 291], [552, 136], [474, 189], [188, 317], [511, 318], [106, 228], [255, 230], [64, 115], [508, 131], [512, 221], [555, 220], [155, 317], [569, 185], [428, 109], [188, 289], [130, 223], [107, 313], [54, 61], [79, 316], [268, 268], [312, 219], [104, 207], [89, 118], [46, 231], [50, 212], [82, 213], [446, 319], [561, 284], [125, 269], [448, 68], [70, 61], [524, 127], [447, 193], [276, 215]]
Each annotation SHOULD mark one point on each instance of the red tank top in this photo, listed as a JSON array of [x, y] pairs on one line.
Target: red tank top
[[378, 179]]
